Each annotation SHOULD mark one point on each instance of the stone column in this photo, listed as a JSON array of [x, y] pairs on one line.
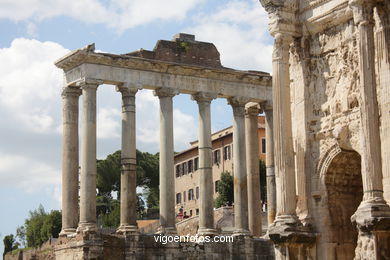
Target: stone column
[[284, 156], [239, 169], [373, 208], [167, 182], [70, 159], [206, 209], [269, 163], [253, 174], [128, 195], [88, 158]]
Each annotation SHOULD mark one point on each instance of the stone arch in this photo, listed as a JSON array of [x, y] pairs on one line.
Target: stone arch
[[342, 181]]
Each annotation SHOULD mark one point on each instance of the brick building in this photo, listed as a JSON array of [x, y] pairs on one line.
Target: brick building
[[187, 164]]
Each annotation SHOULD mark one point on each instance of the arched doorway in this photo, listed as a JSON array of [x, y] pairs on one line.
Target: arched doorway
[[344, 186]]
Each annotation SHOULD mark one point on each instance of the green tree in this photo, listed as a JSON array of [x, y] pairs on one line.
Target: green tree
[[108, 178], [225, 190], [21, 235], [108, 174], [9, 244], [40, 226]]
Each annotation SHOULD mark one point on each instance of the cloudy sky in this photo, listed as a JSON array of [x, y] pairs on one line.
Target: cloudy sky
[[35, 33]]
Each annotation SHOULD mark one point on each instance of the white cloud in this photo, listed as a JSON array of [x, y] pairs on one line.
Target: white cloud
[[30, 84], [26, 173], [239, 31], [108, 123], [119, 14]]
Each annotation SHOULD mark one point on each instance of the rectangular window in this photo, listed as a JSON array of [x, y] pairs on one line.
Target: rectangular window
[[263, 145], [177, 170], [197, 192], [185, 168], [184, 196], [190, 168], [197, 211], [190, 212], [226, 153], [217, 156], [190, 194], [196, 164], [180, 170], [216, 186], [178, 198]]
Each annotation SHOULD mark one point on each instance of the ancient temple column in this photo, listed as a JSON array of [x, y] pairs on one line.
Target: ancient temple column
[[206, 209], [88, 158], [283, 140], [269, 163], [239, 169], [373, 203], [70, 159], [167, 182], [253, 174], [128, 195]]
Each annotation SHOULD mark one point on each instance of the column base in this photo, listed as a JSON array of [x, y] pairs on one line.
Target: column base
[[241, 232], [127, 230], [67, 232], [166, 230], [289, 229], [371, 215], [87, 227], [207, 232]]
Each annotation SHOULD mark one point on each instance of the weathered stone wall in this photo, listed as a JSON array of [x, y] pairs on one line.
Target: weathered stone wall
[[324, 70]]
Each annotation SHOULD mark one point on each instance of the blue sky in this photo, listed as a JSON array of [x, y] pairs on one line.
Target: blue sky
[[34, 33]]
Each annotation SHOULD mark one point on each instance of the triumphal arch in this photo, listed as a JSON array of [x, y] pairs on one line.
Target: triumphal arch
[[180, 66], [331, 89]]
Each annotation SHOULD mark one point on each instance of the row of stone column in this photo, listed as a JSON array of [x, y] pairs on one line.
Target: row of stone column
[[247, 214]]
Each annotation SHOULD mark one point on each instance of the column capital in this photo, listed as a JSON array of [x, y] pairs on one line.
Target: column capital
[[203, 96], [362, 11], [128, 89], [238, 101], [165, 92], [88, 83], [252, 109], [70, 92]]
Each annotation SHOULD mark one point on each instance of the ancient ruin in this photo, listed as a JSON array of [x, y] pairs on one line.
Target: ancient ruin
[[331, 78], [182, 65], [327, 129]]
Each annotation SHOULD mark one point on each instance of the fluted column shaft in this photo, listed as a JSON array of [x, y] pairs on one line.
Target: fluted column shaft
[[371, 157], [206, 209], [128, 198], [239, 161], [373, 210], [167, 182], [88, 158], [253, 175], [284, 151], [269, 163], [70, 159]]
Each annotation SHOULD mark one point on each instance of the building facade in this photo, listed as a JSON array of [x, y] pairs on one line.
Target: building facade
[[187, 168]]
